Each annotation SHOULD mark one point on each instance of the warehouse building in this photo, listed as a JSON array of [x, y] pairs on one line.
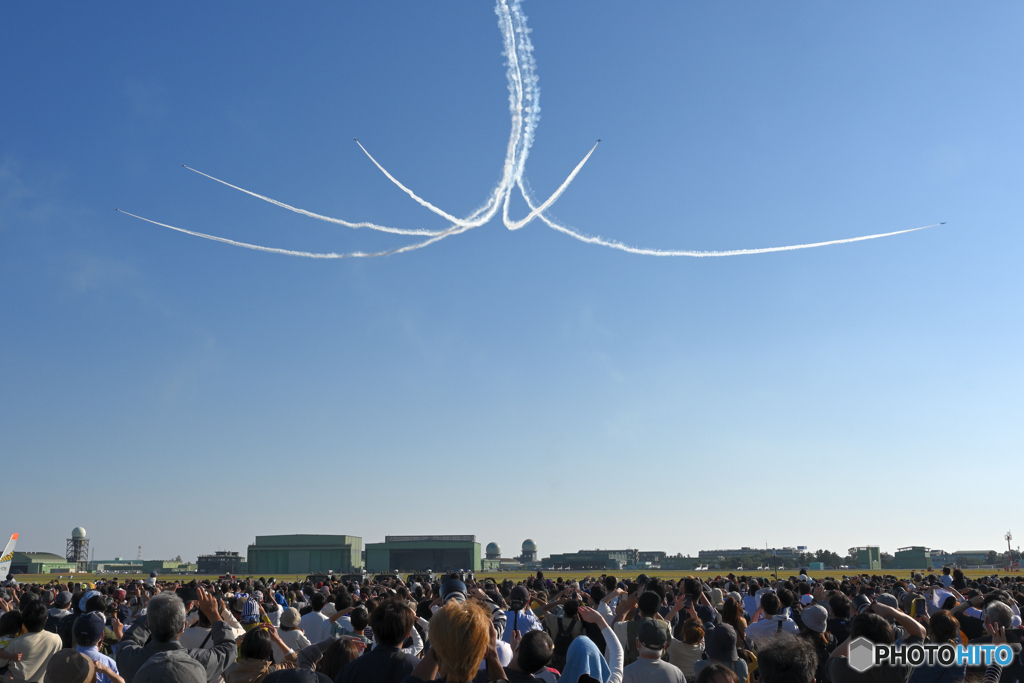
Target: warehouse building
[[304, 554], [912, 557], [41, 563], [420, 553]]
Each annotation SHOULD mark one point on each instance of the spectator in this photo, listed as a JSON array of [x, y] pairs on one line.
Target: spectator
[[839, 623], [785, 659], [814, 628], [690, 650], [520, 618], [59, 610], [626, 629], [873, 626], [651, 642], [392, 622], [88, 631], [33, 649], [721, 649], [70, 666], [773, 622], [717, 673], [155, 637], [461, 634], [314, 624], [291, 634], [585, 659], [999, 616], [336, 657], [943, 629], [10, 628], [358, 620], [531, 657], [256, 656]]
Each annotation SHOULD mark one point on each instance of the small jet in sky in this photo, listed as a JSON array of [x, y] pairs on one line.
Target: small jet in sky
[[942, 223], [599, 139]]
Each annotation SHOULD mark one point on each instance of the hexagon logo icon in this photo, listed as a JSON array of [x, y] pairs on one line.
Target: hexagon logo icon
[[862, 654]]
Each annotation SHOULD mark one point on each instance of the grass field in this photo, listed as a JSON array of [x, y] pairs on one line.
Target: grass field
[[519, 576]]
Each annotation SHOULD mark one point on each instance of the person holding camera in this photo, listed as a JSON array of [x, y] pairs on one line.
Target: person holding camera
[[520, 618], [150, 650]]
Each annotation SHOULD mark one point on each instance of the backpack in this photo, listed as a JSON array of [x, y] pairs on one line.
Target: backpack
[[563, 639], [51, 623]]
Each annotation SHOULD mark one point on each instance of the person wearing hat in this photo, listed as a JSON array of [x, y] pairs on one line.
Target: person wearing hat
[[652, 639], [720, 648], [626, 628], [291, 634], [88, 632], [814, 628], [60, 608], [69, 666], [520, 618]]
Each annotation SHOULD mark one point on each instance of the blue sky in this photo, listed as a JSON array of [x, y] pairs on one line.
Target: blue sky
[[182, 395]]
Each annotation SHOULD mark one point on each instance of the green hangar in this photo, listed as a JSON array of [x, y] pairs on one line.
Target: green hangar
[[304, 554], [419, 553]]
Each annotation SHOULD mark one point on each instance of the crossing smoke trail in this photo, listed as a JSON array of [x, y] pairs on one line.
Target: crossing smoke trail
[[524, 107]]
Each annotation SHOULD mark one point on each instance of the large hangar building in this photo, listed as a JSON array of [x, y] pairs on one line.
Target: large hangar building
[[304, 554], [419, 553]]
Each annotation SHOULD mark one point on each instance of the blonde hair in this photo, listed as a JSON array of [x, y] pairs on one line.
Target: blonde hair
[[460, 634]]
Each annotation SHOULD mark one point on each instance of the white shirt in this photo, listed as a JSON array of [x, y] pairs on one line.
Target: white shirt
[[293, 639], [607, 611], [761, 632], [946, 580], [316, 626], [193, 638]]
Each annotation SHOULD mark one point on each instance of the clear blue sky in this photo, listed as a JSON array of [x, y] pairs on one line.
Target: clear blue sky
[[182, 395]]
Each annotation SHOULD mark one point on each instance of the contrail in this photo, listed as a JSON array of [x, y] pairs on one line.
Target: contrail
[[524, 108], [614, 244], [515, 225], [304, 254], [319, 217]]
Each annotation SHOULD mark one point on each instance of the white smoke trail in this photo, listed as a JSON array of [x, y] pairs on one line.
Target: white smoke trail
[[615, 244], [524, 107], [305, 254], [319, 217], [515, 225]]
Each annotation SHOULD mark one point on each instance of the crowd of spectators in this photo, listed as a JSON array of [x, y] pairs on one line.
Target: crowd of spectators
[[604, 629]]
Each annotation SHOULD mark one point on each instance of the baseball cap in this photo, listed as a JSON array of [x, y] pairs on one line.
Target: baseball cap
[[888, 599], [652, 634], [453, 589], [815, 618], [62, 599], [519, 595], [88, 628], [806, 599]]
